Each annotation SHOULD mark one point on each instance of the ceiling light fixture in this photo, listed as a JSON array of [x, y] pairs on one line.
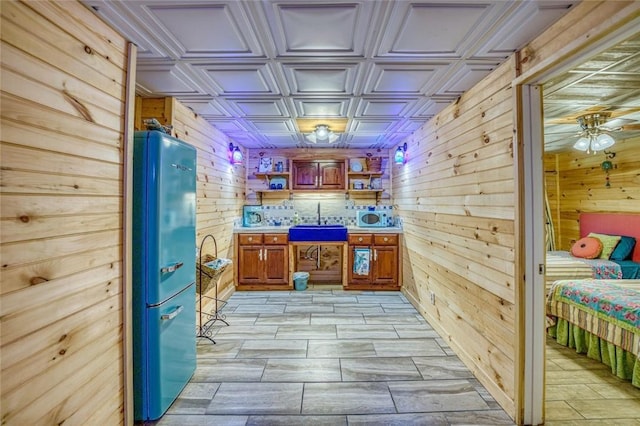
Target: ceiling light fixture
[[322, 133], [593, 138]]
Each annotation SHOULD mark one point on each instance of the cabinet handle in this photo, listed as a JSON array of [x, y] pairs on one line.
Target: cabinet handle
[[265, 254], [320, 180], [260, 255], [360, 239], [250, 238], [316, 181], [386, 239], [275, 239], [375, 254]]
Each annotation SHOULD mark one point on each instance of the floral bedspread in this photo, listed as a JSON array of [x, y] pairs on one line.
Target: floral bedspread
[[621, 304], [602, 269]]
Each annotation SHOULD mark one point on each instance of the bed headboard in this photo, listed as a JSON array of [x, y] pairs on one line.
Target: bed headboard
[[614, 224]]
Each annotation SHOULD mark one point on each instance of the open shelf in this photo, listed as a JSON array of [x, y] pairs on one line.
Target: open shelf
[[268, 174], [365, 174]]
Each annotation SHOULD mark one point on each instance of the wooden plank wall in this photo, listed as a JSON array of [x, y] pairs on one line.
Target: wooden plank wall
[[220, 187], [576, 183], [456, 197], [63, 91]]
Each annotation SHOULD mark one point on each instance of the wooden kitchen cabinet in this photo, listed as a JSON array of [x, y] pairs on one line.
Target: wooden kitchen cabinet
[[263, 261], [329, 175], [383, 261]]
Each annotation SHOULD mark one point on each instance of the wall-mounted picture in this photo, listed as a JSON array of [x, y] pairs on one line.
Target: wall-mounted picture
[[266, 165], [252, 216]]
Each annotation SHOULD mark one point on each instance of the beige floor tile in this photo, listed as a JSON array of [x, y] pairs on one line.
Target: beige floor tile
[[607, 408], [574, 391], [617, 390], [560, 410]]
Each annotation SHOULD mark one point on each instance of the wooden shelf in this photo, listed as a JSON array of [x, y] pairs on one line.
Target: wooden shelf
[[268, 174], [365, 173], [283, 191], [361, 191]]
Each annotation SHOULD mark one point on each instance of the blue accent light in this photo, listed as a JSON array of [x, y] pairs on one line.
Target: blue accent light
[[400, 156]]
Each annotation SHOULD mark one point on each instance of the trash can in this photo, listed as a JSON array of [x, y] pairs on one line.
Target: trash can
[[300, 280]]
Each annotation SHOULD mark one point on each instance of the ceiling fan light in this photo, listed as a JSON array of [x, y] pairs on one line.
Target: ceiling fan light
[[603, 141], [582, 144], [322, 132]]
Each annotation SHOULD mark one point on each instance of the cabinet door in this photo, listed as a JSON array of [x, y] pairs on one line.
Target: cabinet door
[[331, 175], [276, 263], [305, 175], [250, 265], [385, 265], [357, 274]]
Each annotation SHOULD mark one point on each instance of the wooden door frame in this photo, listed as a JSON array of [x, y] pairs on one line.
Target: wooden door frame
[[529, 170]]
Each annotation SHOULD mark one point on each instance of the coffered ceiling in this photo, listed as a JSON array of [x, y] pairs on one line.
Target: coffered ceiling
[[254, 68]]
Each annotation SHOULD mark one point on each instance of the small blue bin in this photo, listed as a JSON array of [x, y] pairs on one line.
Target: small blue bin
[[300, 280]]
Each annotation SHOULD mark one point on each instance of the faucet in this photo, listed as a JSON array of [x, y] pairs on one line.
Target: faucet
[[318, 213]]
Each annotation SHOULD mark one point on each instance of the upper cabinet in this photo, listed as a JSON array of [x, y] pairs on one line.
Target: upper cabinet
[[276, 173], [328, 175]]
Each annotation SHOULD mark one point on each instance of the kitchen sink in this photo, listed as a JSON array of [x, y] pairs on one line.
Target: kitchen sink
[[318, 233]]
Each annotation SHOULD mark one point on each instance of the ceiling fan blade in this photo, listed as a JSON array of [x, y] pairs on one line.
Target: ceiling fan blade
[[628, 127], [621, 112], [573, 118]]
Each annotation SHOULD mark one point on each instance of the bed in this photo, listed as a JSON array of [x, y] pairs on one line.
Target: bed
[[600, 318], [561, 265], [593, 305]]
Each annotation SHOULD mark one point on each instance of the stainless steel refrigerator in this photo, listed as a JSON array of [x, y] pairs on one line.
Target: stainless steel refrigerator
[[164, 243]]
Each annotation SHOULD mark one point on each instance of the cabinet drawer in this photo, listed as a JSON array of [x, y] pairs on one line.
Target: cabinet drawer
[[250, 239], [276, 239], [360, 239], [385, 239]]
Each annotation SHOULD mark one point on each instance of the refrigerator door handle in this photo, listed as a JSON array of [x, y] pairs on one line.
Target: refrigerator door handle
[[171, 268], [172, 314]]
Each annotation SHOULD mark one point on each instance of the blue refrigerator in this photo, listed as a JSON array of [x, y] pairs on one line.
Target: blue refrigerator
[[164, 295]]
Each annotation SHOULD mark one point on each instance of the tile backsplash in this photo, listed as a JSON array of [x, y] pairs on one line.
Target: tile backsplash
[[332, 210]]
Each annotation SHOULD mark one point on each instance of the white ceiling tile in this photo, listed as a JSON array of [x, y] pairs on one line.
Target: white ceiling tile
[[209, 108], [202, 30], [274, 126], [260, 108], [384, 107], [527, 21], [399, 80], [312, 108], [372, 126], [330, 29], [309, 79], [239, 79], [166, 80], [464, 78], [229, 126]]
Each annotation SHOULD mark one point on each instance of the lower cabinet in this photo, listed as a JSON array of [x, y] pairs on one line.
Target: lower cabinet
[[373, 261], [263, 261]]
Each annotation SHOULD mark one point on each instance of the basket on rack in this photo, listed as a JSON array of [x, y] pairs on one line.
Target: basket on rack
[[374, 164], [210, 268]]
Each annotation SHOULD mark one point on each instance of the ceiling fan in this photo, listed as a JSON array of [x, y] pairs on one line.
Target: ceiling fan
[[596, 126]]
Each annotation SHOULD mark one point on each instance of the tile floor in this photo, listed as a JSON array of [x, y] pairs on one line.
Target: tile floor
[[582, 391], [329, 357]]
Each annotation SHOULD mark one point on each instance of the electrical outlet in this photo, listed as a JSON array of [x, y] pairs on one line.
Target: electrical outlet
[[432, 297]]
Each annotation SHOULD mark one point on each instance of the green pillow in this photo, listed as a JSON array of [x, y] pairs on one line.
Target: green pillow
[[609, 243]]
